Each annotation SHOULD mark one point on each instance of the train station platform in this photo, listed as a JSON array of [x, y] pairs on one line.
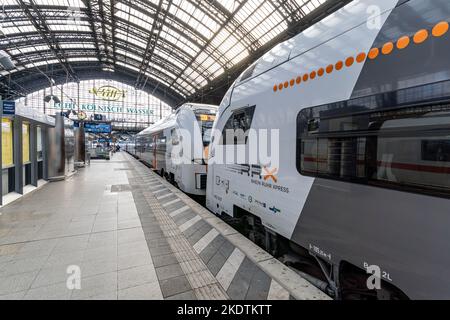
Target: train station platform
[[131, 235]]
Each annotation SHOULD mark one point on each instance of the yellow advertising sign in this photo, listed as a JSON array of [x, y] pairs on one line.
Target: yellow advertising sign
[[26, 142], [108, 93], [7, 143]]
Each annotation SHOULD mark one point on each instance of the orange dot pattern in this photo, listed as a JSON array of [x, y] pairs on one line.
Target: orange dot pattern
[[421, 36], [360, 58], [330, 69], [440, 29], [388, 48], [349, 62], [373, 53], [403, 42]]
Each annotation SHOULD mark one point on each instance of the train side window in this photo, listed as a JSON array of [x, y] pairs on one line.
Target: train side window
[[248, 73], [235, 131], [436, 150], [407, 149]]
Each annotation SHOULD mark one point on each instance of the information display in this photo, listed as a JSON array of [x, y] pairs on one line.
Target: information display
[[9, 108], [98, 128], [7, 143], [26, 143]]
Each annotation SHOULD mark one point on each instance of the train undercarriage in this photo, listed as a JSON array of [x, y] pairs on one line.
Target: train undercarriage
[[343, 282]]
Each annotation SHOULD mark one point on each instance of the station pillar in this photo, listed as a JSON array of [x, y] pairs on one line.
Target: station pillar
[[33, 155], [45, 151]]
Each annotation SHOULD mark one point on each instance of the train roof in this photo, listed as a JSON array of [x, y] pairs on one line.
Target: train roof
[[355, 13], [199, 106], [171, 119], [160, 125]]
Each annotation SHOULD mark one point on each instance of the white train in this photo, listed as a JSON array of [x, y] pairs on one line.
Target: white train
[[177, 146], [361, 105]]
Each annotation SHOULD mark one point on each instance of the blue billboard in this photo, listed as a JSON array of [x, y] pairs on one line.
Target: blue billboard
[[98, 128]]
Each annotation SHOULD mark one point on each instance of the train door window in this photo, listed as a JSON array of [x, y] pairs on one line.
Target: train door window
[[151, 143], [161, 142], [175, 137], [206, 120], [407, 149], [237, 127]]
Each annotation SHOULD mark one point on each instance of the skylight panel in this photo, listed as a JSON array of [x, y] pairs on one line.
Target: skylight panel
[[9, 2], [230, 5], [308, 6], [29, 49], [41, 63], [81, 59], [164, 71], [173, 60], [185, 85], [127, 54]]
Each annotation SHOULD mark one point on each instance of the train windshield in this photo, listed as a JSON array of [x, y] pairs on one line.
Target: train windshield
[[206, 122]]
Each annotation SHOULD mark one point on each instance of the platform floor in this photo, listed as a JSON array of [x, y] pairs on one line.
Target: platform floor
[[132, 236]]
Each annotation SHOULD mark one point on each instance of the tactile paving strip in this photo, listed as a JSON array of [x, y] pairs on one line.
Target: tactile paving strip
[[202, 282]]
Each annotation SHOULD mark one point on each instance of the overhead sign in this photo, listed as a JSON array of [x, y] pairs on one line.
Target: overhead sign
[[9, 108], [108, 93], [99, 117], [98, 128], [114, 109]]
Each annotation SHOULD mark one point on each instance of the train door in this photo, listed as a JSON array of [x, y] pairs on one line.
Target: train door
[[230, 174]]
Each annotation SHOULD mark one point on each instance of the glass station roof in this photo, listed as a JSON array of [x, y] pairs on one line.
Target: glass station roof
[[182, 44]]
